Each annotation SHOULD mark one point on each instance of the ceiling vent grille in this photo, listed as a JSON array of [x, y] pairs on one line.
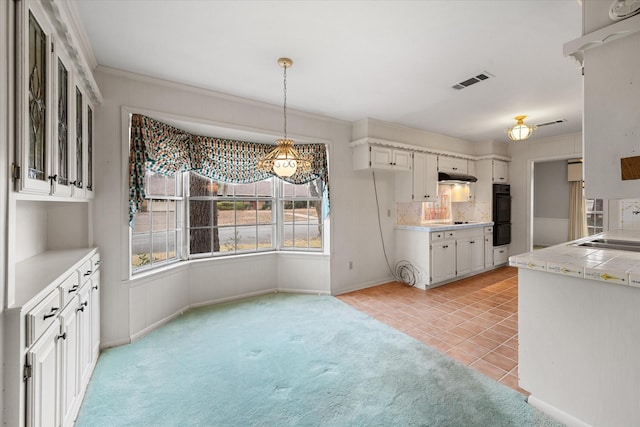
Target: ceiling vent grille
[[553, 122], [473, 80]]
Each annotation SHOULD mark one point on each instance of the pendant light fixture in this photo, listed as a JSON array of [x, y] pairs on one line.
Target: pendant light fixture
[[284, 160], [521, 130]]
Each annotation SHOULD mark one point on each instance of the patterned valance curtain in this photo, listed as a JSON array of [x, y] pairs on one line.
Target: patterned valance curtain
[[166, 150]]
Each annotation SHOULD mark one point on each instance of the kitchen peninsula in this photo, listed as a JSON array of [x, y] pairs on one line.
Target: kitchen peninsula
[[579, 329], [436, 253]]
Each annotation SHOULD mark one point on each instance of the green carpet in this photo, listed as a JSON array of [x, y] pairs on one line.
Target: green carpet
[[291, 360]]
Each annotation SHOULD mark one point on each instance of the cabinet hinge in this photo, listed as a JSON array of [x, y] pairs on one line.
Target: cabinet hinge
[[51, 47], [27, 373], [15, 171]]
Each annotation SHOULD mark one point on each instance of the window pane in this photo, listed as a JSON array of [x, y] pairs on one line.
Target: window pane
[[224, 189], [225, 212], [316, 188], [37, 99], [79, 127], [200, 186], [287, 238], [140, 249], [159, 247], [315, 211], [244, 190], [155, 185], [315, 238], [63, 110], [142, 218], [599, 205], [172, 240], [200, 241], [200, 213], [246, 213], [300, 236], [228, 236], [246, 239], [171, 214], [265, 212], [599, 220], [265, 188], [265, 236], [289, 189], [590, 220], [158, 215]]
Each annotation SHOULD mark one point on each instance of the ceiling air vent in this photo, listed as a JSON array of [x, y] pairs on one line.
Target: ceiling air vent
[[553, 122], [473, 80]]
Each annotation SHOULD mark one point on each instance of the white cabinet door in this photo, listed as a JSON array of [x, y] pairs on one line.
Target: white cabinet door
[[69, 362], [488, 250], [477, 253], [390, 158], [471, 170], [425, 177], [33, 98], [85, 358], [452, 164], [500, 172], [95, 314], [463, 256], [443, 260], [43, 386]]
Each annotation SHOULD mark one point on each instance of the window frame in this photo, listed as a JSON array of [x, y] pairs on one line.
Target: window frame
[[232, 199], [281, 223], [178, 229]]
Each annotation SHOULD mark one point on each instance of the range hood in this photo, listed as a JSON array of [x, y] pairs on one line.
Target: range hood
[[455, 178]]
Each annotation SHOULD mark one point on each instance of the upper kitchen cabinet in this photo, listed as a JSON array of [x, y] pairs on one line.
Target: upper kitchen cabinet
[[500, 172], [452, 164], [422, 184], [367, 155], [611, 129], [54, 107]]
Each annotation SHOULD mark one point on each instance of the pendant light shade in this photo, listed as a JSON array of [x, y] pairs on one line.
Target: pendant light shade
[[284, 160], [521, 130]]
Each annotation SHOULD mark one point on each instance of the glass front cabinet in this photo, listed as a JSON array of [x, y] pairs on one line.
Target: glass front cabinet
[[54, 148]]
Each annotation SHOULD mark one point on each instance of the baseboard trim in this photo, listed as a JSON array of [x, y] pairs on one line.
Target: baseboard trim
[[556, 413], [233, 298], [303, 291]]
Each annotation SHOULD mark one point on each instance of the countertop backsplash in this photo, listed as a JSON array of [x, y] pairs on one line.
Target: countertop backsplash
[[420, 213]]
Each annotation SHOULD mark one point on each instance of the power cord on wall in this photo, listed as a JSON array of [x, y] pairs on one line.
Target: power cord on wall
[[404, 272]]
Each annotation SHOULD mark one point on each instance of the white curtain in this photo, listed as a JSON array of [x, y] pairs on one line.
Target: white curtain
[[577, 211]]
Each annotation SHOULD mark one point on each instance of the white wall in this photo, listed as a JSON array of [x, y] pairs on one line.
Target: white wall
[[550, 203], [353, 231], [523, 155]]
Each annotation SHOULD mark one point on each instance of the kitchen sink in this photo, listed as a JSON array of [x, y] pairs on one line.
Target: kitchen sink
[[620, 245]]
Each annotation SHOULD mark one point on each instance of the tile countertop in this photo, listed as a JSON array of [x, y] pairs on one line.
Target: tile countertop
[[442, 226], [605, 265]]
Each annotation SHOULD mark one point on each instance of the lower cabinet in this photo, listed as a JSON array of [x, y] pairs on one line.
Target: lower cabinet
[[436, 257], [500, 255], [443, 261], [53, 344]]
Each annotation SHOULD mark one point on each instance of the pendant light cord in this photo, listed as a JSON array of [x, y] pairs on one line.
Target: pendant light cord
[[285, 102]]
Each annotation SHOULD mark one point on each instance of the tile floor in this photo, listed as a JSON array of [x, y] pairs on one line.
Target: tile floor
[[473, 320]]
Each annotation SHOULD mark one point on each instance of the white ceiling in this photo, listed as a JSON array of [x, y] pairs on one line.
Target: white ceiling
[[389, 60]]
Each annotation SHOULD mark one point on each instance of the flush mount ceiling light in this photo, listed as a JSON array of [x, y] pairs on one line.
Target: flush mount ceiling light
[[284, 160], [521, 130]]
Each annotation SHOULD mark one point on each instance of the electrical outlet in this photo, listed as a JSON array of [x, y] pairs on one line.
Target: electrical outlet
[[350, 265], [389, 213]]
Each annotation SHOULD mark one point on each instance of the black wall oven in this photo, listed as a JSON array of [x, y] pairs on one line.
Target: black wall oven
[[501, 214]]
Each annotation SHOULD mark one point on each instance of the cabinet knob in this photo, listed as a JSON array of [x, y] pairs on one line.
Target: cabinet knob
[[62, 336], [87, 273], [72, 290], [95, 287]]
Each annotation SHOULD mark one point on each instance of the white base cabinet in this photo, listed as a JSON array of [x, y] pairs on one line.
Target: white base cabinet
[[52, 336], [438, 257]]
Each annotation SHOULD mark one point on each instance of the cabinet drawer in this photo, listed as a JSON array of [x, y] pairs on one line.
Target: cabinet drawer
[[449, 234], [42, 316], [85, 271], [95, 262], [500, 255], [69, 288], [436, 235]]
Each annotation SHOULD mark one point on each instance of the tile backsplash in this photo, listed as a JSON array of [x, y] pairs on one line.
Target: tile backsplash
[[443, 209], [630, 214]]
